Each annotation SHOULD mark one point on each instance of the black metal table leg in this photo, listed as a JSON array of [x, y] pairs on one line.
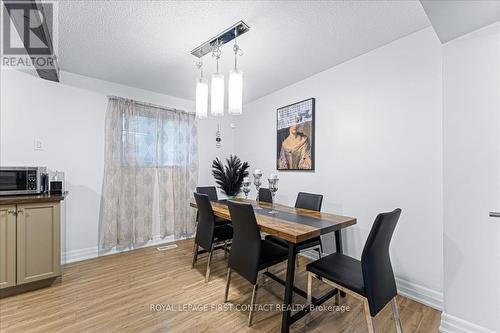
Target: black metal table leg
[[338, 241], [339, 248], [290, 274], [296, 290]]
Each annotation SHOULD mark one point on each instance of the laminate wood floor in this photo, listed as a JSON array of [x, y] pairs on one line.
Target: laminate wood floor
[[116, 293]]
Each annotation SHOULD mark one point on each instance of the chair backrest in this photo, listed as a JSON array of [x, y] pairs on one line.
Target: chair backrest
[[211, 191], [265, 195], [245, 248], [378, 276], [309, 201], [206, 221]]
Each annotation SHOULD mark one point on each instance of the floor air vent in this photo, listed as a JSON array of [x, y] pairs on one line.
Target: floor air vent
[[167, 247]]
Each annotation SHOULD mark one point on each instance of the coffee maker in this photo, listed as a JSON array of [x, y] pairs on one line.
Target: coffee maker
[[56, 182]]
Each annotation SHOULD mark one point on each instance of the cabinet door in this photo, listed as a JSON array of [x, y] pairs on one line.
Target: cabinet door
[[38, 242], [7, 246]]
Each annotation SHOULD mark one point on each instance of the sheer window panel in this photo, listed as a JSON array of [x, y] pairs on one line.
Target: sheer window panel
[[154, 148]]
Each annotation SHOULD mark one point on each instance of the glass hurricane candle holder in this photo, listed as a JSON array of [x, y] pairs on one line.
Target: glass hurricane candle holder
[[257, 174], [273, 187], [246, 187]]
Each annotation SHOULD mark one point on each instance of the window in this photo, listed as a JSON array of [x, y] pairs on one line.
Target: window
[[139, 141], [149, 141]]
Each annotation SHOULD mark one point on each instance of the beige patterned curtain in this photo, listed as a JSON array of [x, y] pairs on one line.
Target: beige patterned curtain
[[146, 145], [178, 172]]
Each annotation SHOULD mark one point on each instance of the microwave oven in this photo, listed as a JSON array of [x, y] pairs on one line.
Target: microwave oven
[[23, 180]]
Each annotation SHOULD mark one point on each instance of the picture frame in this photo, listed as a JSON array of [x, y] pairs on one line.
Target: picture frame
[[295, 136]]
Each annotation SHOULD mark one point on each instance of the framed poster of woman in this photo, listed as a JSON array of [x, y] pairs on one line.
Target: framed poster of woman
[[295, 136]]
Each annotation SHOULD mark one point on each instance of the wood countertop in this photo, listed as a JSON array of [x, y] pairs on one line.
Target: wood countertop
[[32, 198]]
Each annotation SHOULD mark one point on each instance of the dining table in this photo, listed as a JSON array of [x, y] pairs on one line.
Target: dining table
[[293, 225]]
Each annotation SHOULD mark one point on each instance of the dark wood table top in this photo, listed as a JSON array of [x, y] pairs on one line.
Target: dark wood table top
[[32, 198], [292, 224]]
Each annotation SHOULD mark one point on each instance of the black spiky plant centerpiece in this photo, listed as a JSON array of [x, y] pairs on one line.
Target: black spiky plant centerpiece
[[229, 177]]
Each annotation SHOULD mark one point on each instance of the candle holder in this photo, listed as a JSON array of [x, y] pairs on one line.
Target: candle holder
[[273, 187], [257, 181], [246, 188]]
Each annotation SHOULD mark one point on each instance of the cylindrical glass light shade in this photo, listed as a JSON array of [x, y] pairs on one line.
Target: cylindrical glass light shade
[[235, 91], [217, 95], [201, 98]]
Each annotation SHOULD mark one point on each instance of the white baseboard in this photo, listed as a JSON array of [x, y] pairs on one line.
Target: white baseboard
[[408, 289], [452, 324], [421, 294], [93, 252], [79, 255]]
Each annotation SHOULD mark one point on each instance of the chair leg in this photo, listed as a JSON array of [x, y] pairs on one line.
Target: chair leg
[[225, 249], [254, 292], [318, 249], [195, 254], [228, 281], [263, 280], [207, 275], [368, 316], [309, 295], [264, 277], [395, 314], [337, 297]]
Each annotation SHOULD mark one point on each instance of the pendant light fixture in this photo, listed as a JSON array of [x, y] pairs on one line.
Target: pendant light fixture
[[217, 87], [201, 94], [235, 87], [217, 84]]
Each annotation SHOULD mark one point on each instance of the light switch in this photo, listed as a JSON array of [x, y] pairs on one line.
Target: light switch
[[38, 144]]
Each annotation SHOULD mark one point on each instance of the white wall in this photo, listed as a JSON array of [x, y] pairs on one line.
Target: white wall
[[471, 123], [68, 118], [378, 147]]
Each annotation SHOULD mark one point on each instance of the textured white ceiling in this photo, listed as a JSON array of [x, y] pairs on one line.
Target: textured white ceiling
[[147, 44]]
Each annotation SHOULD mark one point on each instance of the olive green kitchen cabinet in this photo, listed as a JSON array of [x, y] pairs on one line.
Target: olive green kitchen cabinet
[[7, 246], [38, 241], [30, 241]]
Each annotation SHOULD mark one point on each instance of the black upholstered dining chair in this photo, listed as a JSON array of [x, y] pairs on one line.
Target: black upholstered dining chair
[[305, 201], [211, 191], [208, 234], [249, 253], [265, 195], [371, 280]]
